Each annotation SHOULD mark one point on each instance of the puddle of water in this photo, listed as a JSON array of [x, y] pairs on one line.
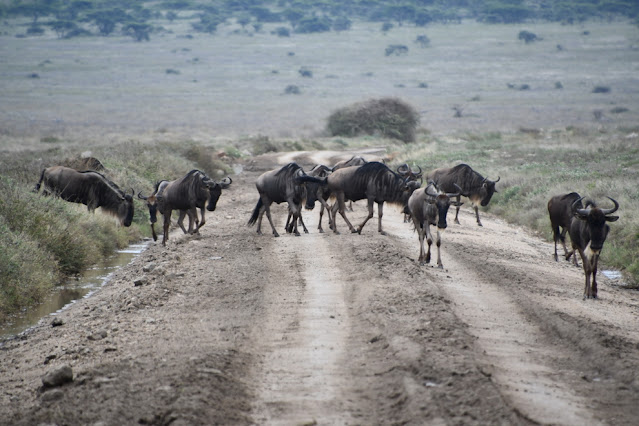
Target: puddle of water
[[613, 275], [74, 289]]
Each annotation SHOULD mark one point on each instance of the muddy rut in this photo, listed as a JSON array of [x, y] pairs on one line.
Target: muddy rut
[[233, 328]]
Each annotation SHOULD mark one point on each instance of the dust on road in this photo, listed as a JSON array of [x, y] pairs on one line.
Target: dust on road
[[233, 328]]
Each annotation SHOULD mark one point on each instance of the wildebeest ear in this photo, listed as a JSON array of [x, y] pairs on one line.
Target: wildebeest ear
[[612, 218]]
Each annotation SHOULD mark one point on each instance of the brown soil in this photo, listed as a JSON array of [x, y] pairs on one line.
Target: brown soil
[[229, 327]]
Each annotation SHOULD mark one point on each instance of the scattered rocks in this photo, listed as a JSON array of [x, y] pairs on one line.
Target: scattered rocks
[[98, 335], [57, 322], [140, 281], [58, 377]]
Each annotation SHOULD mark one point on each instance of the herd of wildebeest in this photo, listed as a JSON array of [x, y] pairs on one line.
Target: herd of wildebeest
[[352, 180]]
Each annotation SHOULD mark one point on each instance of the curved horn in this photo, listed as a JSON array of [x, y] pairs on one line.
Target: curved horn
[[431, 194], [580, 212], [498, 177], [403, 169], [418, 175], [612, 210], [142, 197]]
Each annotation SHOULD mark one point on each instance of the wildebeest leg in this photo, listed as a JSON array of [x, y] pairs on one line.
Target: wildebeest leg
[[457, 206], [429, 240], [340, 204], [439, 257], [380, 213], [321, 214], [477, 215], [370, 215], [180, 222], [586, 264], [193, 218], [167, 222], [295, 211], [420, 233], [267, 210], [155, 236], [593, 268]]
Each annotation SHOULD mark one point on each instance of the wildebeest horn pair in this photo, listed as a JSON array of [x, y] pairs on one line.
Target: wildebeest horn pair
[[584, 212]]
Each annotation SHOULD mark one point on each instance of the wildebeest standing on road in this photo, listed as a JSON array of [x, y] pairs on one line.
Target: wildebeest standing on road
[[319, 192], [281, 185], [374, 182], [560, 210], [89, 188], [429, 206], [152, 205], [478, 189], [194, 190], [588, 232]]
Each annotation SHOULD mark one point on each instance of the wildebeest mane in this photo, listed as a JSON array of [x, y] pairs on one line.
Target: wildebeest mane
[[387, 182], [464, 176], [109, 194], [288, 169]]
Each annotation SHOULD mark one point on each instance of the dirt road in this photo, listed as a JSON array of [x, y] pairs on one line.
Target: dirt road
[[233, 328]]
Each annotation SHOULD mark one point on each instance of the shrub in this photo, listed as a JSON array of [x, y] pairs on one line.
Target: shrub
[[282, 32], [387, 26], [527, 36], [396, 49], [292, 89], [422, 40], [313, 25], [342, 23], [601, 89], [305, 72], [389, 117]]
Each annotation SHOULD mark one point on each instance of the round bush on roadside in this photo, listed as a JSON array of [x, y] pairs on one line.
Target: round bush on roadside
[[389, 117]]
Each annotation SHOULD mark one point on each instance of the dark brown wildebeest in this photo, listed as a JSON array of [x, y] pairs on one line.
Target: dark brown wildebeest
[[152, 205], [194, 190], [429, 206], [374, 182], [89, 188], [478, 189], [355, 160], [406, 171], [560, 210], [281, 185], [317, 192], [588, 232]]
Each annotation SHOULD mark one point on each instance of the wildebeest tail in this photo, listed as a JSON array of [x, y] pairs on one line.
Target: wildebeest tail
[[37, 186], [256, 212]]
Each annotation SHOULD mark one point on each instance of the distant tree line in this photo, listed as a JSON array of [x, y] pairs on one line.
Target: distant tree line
[[103, 17]]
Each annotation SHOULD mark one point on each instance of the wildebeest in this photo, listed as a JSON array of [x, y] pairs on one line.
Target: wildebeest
[[194, 190], [281, 185], [355, 160], [588, 232], [318, 192], [560, 210], [406, 171], [374, 182], [87, 187], [152, 205], [429, 206], [478, 189]]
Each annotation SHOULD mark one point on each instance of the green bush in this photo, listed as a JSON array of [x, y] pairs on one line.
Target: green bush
[[389, 117]]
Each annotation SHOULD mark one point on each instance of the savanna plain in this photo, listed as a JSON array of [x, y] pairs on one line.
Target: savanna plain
[[230, 327]]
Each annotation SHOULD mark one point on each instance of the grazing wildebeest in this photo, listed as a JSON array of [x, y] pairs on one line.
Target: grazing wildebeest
[[281, 185], [429, 206], [317, 192], [90, 188], [588, 232], [560, 210], [374, 182], [152, 205], [478, 189], [194, 190]]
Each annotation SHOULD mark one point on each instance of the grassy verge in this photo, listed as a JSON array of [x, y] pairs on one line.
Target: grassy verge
[[535, 165]]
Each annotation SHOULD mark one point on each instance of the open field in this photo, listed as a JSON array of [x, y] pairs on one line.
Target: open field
[[232, 84]]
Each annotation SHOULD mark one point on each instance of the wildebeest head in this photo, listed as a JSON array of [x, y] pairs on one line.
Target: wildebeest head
[[487, 190], [595, 219], [441, 201], [215, 190], [125, 210], [313, 189], [407, 171]]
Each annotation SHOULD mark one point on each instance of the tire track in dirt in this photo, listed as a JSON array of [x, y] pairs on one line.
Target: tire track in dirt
[[508, 342], [304, 335]]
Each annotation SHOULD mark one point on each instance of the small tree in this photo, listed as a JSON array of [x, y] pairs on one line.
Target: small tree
[[527, 36], [396, 49], [139, 32], [422, 40]]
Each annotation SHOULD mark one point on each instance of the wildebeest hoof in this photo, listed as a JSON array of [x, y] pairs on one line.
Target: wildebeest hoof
[[275, 234], [440, 266]]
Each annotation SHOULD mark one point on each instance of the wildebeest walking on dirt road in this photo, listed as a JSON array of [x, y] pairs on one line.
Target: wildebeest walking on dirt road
[[281, 185], [478, 189], [89, 188], [194, 190], [374, 182], [588, 232], [560, 210]]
